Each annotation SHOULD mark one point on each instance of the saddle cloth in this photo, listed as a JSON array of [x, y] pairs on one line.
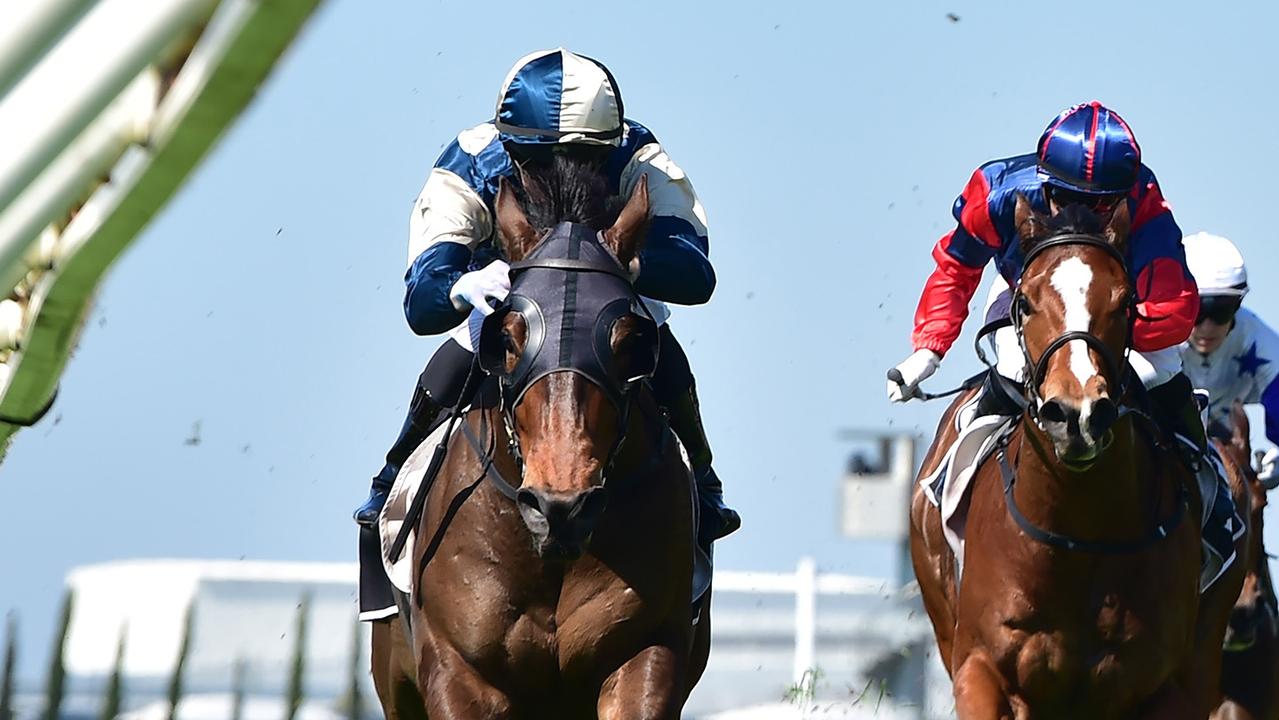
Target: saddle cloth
[[397, 507], [949, 488]]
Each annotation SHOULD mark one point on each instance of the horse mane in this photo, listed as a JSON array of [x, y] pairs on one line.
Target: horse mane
[[567, 189]]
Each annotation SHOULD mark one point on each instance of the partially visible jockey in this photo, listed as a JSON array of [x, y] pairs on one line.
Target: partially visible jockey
[[1232, 354], [1088, 156], [553, 103]]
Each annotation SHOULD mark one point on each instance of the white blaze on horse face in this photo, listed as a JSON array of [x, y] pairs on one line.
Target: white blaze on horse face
[[1072, 279]]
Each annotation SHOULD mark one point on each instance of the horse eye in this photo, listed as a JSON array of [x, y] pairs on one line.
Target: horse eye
[[1024, 307]]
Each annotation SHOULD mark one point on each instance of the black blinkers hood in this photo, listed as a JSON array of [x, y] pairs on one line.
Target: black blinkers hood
[[570, 290]]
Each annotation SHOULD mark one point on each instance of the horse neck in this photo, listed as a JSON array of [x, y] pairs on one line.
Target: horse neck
[[1120, 497]]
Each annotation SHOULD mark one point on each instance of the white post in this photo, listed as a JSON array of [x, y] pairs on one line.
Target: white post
[[805, 618]]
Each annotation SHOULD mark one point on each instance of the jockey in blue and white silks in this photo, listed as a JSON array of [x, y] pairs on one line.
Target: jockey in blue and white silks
[[552, 103], [1232, 354]]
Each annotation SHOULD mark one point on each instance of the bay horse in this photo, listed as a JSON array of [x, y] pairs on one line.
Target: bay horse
[[1078, 596], [1250, 667], [559, 577]]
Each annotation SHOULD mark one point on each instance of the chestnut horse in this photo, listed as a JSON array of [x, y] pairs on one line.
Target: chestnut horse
[[558, 581], [1078, 595], [1250, 667]]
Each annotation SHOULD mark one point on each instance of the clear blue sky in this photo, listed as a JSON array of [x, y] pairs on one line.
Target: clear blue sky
[[827, 142]]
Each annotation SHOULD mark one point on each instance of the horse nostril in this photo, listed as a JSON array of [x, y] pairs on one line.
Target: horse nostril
[[1054, 411], [590, 505], [528, 499], [1103, 416]]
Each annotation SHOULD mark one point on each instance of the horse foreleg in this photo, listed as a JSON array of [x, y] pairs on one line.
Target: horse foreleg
[[455, 691], [979, 691], [649, 686], [393, 674]]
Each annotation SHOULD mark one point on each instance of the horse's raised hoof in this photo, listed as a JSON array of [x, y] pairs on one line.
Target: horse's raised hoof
[[561, 523]]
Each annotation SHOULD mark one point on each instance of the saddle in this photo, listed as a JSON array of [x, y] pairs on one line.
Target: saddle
[[949, 487]]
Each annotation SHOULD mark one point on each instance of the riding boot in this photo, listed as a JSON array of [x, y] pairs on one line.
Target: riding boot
[[1177, 410], [422, 413], [715, 519]]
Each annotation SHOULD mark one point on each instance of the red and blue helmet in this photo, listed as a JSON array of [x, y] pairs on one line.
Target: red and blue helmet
[[1089, 149]]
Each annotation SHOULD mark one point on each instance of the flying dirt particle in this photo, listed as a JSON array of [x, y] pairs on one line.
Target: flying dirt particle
[[777, 26], [891, 205], [952, 17], [57, 418], [278, 231], [102, 321], [245, 450], [194, 439], [750, 294]]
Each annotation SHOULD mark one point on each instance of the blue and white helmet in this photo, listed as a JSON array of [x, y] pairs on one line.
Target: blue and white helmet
[[557, 96]]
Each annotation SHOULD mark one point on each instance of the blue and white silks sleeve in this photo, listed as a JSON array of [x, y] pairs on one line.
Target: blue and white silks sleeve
[[675, 261], [449, 219]]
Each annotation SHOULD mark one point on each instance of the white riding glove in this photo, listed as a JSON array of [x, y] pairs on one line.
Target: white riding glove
[[1266, 472], [476, 288], [904, 380]]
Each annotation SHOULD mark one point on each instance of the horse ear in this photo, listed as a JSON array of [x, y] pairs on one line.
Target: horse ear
[[1031, 224], [1241, 429], [1118, 226], [626, 236], [516, 234]]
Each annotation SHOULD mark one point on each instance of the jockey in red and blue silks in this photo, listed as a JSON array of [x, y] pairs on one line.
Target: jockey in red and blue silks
[[554, 106], [1087, 155]]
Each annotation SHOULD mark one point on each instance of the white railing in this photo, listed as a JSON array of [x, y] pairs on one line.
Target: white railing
[[806, 584]]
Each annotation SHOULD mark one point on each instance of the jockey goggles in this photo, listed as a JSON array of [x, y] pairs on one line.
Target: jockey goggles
[[1220, 309], [1098, 203]]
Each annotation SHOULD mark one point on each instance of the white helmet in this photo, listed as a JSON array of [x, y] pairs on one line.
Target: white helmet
[[1216, 264]]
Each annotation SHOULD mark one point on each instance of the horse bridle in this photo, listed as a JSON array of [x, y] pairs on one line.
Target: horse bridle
[[1115, 367], [535, 363], [1115, 372]]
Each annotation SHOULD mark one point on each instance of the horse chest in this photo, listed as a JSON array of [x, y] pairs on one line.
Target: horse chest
[[1100, 651]]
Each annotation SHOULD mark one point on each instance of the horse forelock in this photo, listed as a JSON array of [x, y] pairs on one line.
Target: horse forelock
[[567, 189]]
